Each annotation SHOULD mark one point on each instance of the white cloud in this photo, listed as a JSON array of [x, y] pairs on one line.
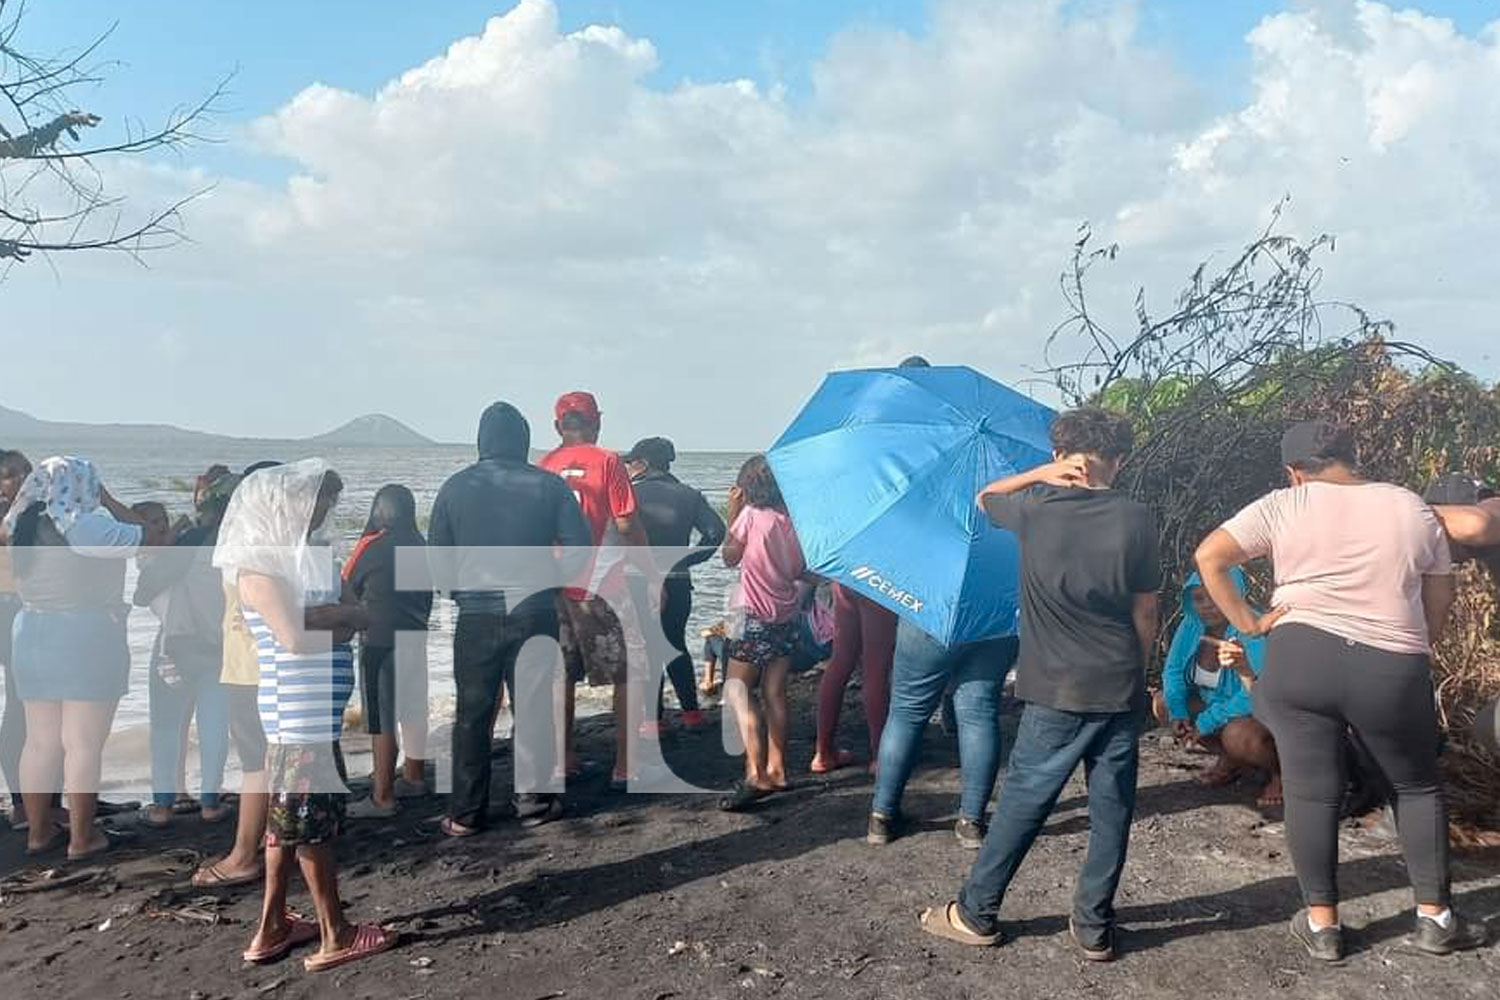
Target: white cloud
[[527, 214]]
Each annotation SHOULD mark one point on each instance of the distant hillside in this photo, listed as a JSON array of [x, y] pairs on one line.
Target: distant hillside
[[373, 430], [22, 427]]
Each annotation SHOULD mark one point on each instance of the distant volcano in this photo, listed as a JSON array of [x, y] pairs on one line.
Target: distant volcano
[[373, 430]]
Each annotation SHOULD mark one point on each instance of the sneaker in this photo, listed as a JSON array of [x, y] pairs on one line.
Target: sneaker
[[1460, 935], [537, 810], [970, 833], [1326, 945], [693, 720], [881, 831], [1098, 946]]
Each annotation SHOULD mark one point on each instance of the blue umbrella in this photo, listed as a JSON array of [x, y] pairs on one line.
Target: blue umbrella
[[880, 471]]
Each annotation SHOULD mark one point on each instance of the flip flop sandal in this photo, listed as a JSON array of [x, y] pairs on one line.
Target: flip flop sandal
[[112, 839], [299, 932], [213, 816], [186, 807], [58, 839], [458, 831], [841, 760], [945, 924], [368, 940], [743, 796], [214, 877]]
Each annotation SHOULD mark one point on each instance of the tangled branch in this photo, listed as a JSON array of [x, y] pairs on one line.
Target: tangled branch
[[1245, 351], [53, 196]]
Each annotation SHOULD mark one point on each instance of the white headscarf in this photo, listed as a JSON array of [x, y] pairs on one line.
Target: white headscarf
[[265, 529], [67, 486]]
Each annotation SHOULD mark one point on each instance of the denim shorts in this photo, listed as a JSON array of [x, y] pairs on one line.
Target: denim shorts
[[70, 655]]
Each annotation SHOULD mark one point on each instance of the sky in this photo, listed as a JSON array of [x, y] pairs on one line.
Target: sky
[[696, 210]]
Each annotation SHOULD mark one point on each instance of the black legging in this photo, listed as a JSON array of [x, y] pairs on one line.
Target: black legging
[[1314, 686], [676, 607]]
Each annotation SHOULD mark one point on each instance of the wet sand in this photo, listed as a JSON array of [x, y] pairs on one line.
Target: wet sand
[[657, 897]]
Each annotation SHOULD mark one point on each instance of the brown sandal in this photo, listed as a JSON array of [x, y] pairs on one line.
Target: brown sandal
[[213, 877], [949, 925]]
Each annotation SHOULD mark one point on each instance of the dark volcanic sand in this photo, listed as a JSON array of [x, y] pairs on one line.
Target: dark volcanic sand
[[655, 897]]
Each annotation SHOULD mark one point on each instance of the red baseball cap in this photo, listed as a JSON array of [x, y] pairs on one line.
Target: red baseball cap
[[582, 403]]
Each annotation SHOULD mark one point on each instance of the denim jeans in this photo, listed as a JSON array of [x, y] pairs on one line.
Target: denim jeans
[[198, 692], [923, 671], [1050, 744]]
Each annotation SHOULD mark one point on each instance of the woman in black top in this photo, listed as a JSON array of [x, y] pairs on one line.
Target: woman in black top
[[394, 687]]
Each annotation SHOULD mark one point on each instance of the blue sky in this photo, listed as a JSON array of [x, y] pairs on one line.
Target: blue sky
[[541, 211]]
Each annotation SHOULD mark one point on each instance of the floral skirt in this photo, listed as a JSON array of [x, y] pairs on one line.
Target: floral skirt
[[766, 642], [307, 795]]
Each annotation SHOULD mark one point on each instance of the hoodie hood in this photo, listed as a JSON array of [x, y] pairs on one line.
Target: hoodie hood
[[1194, 582], [1229, 698], [504, 434]]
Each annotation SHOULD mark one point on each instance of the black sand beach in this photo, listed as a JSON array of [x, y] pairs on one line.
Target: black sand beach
[[656, 897]]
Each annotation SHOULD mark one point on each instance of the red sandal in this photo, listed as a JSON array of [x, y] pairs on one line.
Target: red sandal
[[298, 931], [368, 940]]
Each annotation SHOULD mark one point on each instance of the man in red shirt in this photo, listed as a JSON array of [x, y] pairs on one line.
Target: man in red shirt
[[590, 633]]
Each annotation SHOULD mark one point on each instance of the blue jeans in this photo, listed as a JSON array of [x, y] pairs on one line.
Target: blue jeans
[[923, 670], [171, 705], [1049, 746]]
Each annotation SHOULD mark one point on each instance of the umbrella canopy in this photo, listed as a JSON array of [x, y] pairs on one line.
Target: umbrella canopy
[[880, 471]]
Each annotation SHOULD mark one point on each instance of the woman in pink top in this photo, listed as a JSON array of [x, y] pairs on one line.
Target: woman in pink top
[[763, 544], [1363, 585]]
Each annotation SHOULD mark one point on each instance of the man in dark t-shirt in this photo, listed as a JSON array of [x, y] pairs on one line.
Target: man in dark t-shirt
[[1090, 572]]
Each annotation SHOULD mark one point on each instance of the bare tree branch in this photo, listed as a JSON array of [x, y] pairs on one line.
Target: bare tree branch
[[53, 195]]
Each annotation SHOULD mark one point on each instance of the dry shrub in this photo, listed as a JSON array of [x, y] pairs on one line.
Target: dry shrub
[[1212, 386]]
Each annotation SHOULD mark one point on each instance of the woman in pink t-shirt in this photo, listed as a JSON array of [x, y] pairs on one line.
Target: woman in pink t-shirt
[[763, 544], [1363, 587]]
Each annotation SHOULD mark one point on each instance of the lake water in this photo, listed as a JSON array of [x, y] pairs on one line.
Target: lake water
[[139, 472]]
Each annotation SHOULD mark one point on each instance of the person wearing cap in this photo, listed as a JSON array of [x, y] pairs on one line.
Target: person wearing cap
[[670, 512], [592, 636], [1363, 585], [1470, 512]]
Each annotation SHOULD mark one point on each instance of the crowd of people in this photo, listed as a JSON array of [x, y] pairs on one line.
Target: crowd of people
[[259, 623]]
